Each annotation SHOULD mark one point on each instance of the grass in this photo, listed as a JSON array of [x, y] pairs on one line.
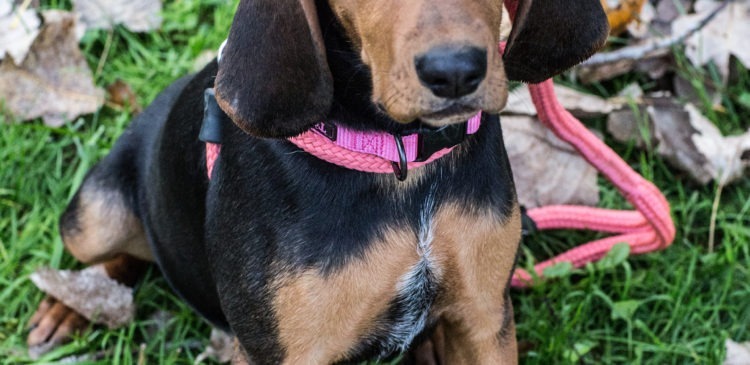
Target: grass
[[673, 307]]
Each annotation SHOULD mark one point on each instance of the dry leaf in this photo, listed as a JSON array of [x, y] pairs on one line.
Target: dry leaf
[[18, 29], [54, 81], [607, 71], [725, 35], [221, 348], [686, 138], [89, 292], [121, 95], [696, 90], [737, 353], [579, 104], [641, 27], [656, 67], [620, 13], [666, 12], [546, 170], [136, 15]]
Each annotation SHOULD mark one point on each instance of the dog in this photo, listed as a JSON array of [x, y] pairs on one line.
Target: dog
[[307, 261]]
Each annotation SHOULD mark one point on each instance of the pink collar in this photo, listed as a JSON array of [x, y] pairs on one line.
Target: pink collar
[[381, 152], [375, 152]]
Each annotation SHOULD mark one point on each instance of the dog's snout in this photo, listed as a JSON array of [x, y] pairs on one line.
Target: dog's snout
[[452, 72]]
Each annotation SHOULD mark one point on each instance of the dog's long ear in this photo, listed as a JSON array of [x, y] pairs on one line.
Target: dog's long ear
[[273, 78], [550, 36]]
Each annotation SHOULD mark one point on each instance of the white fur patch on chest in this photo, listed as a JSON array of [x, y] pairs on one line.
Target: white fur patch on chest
[[416, 289]]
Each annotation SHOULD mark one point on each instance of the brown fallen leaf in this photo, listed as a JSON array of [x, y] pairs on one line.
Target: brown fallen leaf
[[641, 27], [725, 36], [54, 81], [546, 170], [581, 105], [220, 348], [120, 95], [737, 353], [685, 138], [620, 13], [136, 15], [18, 29], [89, 292]]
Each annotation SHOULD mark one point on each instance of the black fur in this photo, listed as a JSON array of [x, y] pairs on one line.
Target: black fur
[[267, 204], [550, 36], [273, 80], [271, 209]]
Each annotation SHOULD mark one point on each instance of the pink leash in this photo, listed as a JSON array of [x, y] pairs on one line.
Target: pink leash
[[646, 229]]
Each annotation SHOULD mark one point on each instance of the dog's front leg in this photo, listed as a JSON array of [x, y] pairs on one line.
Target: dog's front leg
[[474, 341], [478, 251], [460, 342]]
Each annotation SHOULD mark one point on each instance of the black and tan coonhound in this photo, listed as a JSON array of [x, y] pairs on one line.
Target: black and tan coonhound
[[308, 262]]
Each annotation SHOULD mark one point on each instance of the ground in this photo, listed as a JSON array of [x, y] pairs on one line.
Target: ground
[[672, 307]]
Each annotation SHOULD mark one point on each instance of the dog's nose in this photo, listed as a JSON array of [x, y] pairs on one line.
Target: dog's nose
[[452, 72]]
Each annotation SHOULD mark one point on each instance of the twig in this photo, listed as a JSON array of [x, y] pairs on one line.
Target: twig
[[714, 212], [142, 354], [105, 53], [19, 10], [654, 48]]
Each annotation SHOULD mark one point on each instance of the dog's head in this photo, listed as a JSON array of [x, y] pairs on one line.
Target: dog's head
[[430, 60]]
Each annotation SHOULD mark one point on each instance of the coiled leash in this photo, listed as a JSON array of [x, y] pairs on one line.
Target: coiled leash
[[647, 228]]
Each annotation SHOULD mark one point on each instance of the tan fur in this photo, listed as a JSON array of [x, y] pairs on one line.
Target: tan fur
[[477, 253], [391, 33], [311, 14], [104, 227], [321, 318]]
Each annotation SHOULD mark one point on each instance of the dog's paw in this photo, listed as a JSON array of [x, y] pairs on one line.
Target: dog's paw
[[53, 324]]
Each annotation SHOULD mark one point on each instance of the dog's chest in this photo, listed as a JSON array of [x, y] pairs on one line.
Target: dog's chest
[[378, 303]]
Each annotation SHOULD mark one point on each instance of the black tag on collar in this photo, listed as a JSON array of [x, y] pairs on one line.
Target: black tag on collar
[[327, 129], [215, 121], [432, 141]]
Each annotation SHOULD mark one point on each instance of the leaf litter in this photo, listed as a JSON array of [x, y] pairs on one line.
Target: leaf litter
[[54, 81], [685, 138], [136, 15], [737, 353], [90, 292], [727, 35], [18, 29], [43, 73]]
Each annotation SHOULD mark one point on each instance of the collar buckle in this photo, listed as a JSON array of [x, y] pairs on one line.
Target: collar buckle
[[435, 140]]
